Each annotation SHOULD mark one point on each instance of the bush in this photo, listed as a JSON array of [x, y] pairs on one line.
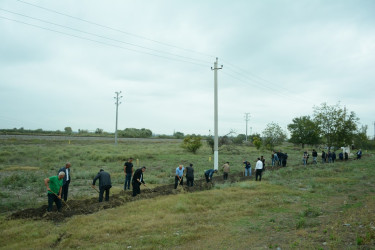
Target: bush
[[192, 143]]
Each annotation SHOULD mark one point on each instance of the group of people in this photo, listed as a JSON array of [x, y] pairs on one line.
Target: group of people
[[329, 157], [260, 167], [137, 179], [189, 173], [208, 174], [58, 186], [279, 159]]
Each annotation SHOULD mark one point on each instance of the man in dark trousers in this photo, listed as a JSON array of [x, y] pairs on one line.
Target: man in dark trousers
[[359, 154], [190, 175], [138, 180], [315, 156], [208, 174], [285, 157], [66, 181], [258, 170], [226, 170], [179, 178], [54, 189], [128, 169], [104, 184], [324, 155]]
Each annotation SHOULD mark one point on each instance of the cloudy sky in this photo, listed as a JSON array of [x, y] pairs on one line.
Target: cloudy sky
[[61, 63]]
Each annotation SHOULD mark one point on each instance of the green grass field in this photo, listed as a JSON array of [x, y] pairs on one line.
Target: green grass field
[[330, 206]]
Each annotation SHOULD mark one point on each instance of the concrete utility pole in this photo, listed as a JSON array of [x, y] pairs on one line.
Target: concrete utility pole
[[117, 98], [216, 138], [246, 119]]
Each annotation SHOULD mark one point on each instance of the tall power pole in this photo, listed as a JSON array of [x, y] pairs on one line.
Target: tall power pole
[[216, 138], [117, 98], [246, 119]]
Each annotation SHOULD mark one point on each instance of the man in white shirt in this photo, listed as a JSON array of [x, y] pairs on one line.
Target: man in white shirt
[[258, 170]]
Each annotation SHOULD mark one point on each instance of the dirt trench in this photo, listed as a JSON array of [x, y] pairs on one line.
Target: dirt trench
[[89, 206]]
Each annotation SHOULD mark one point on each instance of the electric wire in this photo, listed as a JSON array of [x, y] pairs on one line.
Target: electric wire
[[274, 89], [104, 43], [104, 37], [248, 77], [270, 91], [249, 74], [244, 82], [114, 29]]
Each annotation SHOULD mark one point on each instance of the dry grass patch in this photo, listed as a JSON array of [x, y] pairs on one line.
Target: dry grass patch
[[18, 168]]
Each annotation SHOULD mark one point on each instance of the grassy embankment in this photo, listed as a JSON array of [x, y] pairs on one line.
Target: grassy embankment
[[323, 206]]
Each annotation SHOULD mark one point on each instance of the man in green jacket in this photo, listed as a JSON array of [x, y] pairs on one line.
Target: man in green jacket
[[54, 187]]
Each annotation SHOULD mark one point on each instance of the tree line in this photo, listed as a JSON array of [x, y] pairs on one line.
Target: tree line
[[333, 126]]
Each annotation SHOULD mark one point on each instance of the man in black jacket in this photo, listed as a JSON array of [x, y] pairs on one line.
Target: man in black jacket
[[104, 184], [190, 175], [137, 180], [66, 180], [128, 169]]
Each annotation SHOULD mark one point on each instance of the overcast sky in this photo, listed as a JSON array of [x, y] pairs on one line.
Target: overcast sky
[[61, 63]]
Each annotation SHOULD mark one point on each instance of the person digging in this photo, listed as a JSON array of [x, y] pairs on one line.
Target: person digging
[[54, 188], [105, 184], [208, 174], [138, 180]]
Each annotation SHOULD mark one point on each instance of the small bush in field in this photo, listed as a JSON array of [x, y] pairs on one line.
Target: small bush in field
[[192, 143]]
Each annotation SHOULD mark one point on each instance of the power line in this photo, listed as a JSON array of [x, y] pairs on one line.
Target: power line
[[248, 74], [272, 91], [100, 36], [103, 43], [114, 29], [245, 82], [249, 77]]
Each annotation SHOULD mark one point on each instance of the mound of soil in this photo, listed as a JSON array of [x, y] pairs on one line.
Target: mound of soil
[[89, 206]]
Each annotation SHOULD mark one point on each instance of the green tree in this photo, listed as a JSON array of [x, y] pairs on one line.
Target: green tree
[[360, 138], [252, 137], [338, 126], [273, 135], [210, 142], [135, 133], [304, 131], [83, 131], [257, 142], [239, 139], [68, 130], [222, 140], [99, 131], [178, 135], [192, 143]]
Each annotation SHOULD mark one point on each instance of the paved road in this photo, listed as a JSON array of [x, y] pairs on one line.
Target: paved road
[[83, 138]]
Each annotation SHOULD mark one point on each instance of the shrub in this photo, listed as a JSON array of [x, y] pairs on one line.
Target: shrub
[[192, 143]]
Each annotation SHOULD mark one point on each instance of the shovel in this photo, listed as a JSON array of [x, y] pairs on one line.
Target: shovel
[[95, 189], [62, 200], [179, 184]]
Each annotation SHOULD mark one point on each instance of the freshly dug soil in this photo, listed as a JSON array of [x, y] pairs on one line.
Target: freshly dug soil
[[89, 206]]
